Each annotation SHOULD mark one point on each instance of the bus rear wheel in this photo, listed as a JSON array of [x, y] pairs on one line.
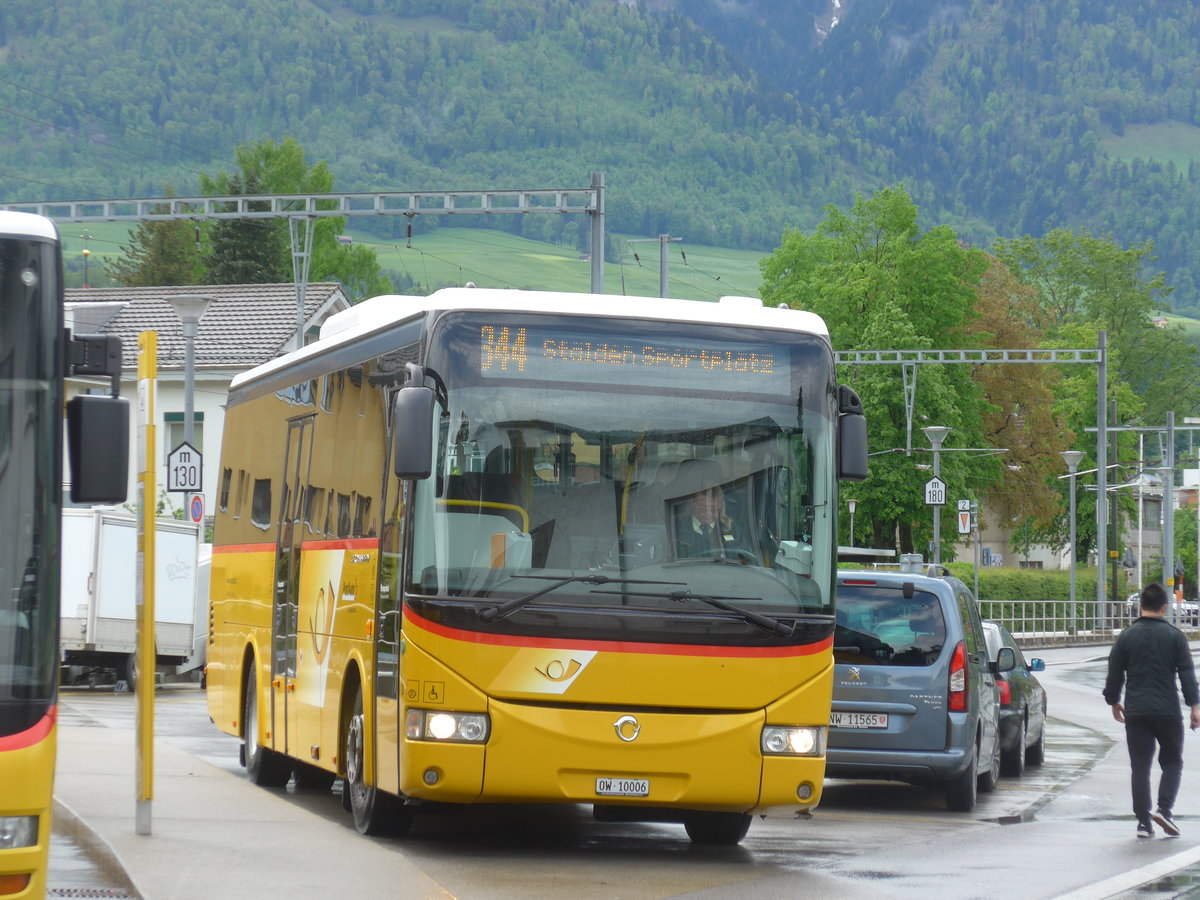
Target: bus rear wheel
[[375, 812], [713, 828], [264, 766]]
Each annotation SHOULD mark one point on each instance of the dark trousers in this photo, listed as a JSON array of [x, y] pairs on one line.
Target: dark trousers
[[1142, 734]]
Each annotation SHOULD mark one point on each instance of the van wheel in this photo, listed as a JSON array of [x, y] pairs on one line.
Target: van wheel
[[1012, 762], [712, 828], [375, 811], [961, 792], [264, 766]]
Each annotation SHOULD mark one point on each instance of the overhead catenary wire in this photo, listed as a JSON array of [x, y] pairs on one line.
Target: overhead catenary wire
[[683, 255]]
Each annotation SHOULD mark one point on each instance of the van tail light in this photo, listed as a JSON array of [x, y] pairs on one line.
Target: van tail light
[[1005, 691], [958, 679]]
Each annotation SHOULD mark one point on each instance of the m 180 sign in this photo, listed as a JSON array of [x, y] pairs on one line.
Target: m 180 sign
[[935, 492], [185, 469]]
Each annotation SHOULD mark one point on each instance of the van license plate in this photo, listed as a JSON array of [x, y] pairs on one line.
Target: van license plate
[[858, 720], [623, 787]]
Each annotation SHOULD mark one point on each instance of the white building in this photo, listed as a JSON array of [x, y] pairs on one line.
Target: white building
[[1007, 544], [244, 325]]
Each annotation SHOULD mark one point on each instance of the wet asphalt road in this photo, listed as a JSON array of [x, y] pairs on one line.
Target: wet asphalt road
[[1064, 824]]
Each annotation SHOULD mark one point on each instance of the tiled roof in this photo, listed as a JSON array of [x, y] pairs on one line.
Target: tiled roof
[[245, 325]]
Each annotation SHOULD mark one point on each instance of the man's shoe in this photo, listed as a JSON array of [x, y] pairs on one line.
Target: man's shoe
[[1145, 830], [1166, 823]]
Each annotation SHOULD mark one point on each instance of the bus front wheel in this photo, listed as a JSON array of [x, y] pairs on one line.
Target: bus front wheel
[[375, 812], [726, 829]]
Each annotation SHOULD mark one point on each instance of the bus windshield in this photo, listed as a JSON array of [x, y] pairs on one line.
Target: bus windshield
[[628, 479], [30, 455]]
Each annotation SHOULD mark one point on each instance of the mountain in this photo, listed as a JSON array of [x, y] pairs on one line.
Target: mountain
[[1012, 117], [721, 121]]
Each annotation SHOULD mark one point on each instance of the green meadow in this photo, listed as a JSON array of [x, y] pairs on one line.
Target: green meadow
[[444, 257], [1176, 142], [496, 259]]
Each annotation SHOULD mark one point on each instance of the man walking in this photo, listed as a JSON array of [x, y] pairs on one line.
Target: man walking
[[1146, 659]]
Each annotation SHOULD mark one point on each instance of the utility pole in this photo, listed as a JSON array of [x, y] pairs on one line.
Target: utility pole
[[1168, 513], [1114, 524], [664, 240]]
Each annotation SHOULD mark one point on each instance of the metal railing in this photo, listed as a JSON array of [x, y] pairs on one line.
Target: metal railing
[[1041, 623]]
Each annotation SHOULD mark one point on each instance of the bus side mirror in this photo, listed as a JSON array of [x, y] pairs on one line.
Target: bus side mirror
[[851, 436], [412, 431], [98, 447]]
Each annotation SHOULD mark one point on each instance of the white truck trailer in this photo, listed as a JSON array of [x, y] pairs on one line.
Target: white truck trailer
[[99, 591]]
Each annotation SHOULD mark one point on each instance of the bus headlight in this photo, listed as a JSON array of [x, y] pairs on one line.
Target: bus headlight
[[793, 740], [436, 725], [18, 831]]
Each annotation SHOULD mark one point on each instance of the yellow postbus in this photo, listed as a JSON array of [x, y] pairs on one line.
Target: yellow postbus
[[460, 556], [36, 352]]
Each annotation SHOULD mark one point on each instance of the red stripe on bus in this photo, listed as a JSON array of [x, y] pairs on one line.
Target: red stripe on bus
[[651, 649], [336, 544], [344, 544], [244, 548], [30, 736]]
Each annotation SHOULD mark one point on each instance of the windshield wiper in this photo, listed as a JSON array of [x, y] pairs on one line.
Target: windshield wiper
[[766, 623], [491, 613]]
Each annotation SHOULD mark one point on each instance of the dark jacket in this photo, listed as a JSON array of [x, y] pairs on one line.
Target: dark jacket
[[1146, 658], [725, 540]]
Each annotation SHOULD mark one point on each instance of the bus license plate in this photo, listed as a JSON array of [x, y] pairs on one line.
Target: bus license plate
[[858, 720], [623, 787]]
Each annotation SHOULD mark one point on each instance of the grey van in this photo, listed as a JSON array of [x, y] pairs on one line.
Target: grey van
[[914, 694]]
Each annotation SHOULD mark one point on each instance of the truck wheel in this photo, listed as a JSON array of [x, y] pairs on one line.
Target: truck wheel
[[129, 671], [264, 766]]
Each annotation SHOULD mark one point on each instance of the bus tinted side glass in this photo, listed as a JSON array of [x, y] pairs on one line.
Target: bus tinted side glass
[[877, 626]]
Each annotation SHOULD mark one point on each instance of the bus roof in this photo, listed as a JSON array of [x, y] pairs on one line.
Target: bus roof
[[379, 313], [21, 224]]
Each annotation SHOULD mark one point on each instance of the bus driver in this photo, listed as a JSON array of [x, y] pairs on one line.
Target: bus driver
[[704, 530]]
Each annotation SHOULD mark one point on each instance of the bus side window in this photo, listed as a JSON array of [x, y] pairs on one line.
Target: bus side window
[[260, 503]]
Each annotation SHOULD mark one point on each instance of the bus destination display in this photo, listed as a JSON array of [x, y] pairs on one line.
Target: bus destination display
[[554, 354]]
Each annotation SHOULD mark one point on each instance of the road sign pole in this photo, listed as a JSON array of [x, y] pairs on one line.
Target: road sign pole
[[936, 434]]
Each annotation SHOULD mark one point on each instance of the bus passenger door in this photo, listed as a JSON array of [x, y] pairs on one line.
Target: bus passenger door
[[285, 614], [387, 631]]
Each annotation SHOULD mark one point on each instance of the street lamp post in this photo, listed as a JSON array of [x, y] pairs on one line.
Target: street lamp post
[[937, 434], [1072, 458], [190, 309], [852, 504], [86, 254]]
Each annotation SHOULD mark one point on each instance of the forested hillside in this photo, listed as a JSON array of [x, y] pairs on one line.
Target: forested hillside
[[719, 122], [119, 97]]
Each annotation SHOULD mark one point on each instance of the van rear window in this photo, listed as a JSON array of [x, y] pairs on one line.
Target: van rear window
[[877, 625]]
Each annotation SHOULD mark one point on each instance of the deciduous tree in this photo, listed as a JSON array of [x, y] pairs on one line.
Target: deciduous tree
[[159, 253], [881, 283]]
